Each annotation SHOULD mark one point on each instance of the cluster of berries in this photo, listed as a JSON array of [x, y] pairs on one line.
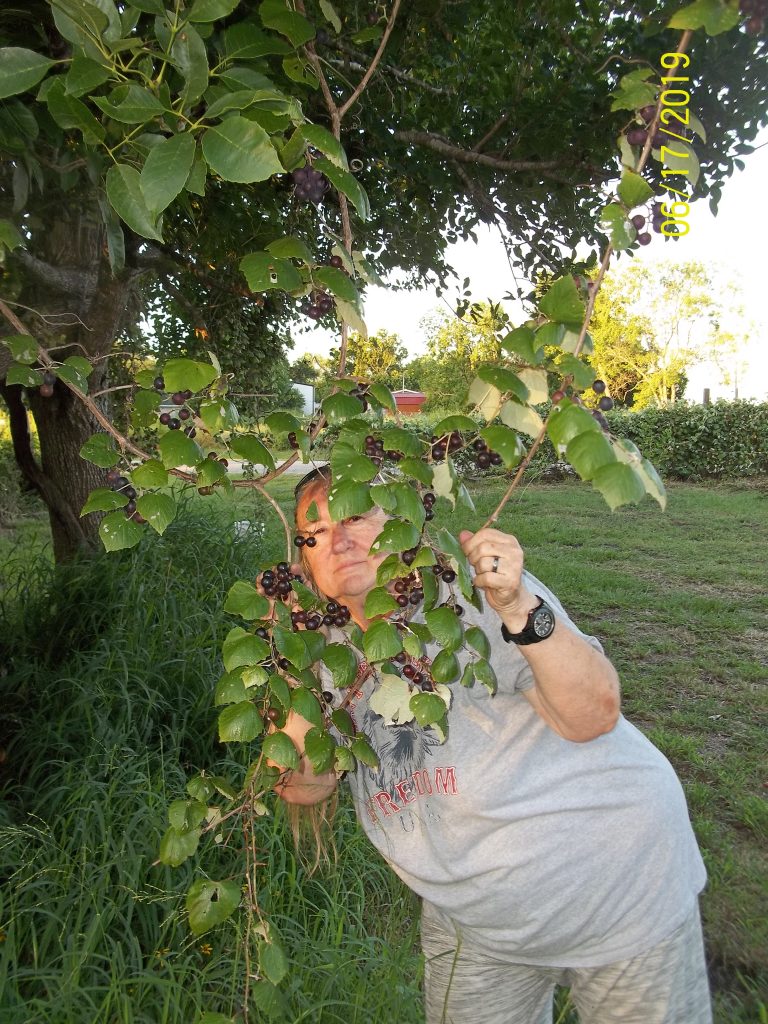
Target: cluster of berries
[[604, 405], [408, 590], [415, 670], [299, 540], [317, 304], [374, 448], [755, 11], [276, 582], [485, 456], [120, 483], [46, 388], [447, 443], [310, 185], [335, 614], [428, 501]]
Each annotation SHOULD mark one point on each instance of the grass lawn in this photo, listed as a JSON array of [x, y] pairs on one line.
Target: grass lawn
[[106, 703]]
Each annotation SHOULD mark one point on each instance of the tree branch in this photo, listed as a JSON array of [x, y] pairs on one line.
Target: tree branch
[[376, 58], [491, 132], [68, 282]]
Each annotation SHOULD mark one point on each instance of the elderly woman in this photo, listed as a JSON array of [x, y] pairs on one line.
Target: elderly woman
[[548, 839]]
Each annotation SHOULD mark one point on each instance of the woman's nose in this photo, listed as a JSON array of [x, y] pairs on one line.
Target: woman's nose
[[340, 538]]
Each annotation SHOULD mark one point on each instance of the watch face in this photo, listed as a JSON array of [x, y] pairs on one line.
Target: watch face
[[543, 621]]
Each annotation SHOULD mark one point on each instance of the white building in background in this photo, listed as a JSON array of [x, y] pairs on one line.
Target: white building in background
[[307, 392]]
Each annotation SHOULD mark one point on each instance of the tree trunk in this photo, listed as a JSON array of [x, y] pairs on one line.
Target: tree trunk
[[70, 282]]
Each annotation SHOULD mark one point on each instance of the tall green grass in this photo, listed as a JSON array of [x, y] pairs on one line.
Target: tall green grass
[[106, 707]]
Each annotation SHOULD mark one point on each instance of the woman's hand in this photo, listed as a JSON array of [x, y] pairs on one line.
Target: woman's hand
[[497, 559]]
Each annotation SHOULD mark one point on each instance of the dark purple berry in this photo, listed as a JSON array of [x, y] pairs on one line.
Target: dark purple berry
[[598, 386], [605, 403]]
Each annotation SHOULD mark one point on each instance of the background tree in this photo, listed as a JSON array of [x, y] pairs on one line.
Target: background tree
[[653, 323]]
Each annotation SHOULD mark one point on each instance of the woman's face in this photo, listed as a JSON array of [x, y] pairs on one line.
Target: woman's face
[[340, 564]]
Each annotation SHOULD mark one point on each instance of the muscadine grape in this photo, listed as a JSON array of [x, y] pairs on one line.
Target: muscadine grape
[[637, 136], [638, 221], [645, 238], [605, 403], [598, 386]]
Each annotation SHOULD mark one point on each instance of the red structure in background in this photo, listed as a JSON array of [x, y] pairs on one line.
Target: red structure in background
[[409, 402]]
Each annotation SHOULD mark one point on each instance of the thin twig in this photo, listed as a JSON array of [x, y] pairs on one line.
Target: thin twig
[[376, 58]]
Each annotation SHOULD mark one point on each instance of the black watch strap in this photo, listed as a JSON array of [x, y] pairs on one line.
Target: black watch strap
[[539, 625]]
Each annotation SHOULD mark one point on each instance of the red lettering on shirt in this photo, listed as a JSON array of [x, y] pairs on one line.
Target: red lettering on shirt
[[445, 783], [405, 791], [385, 802]]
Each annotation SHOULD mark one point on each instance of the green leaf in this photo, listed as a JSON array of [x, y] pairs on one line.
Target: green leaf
[[550, 334], [628, 452], [339, 283], [230, 689], [9, 236], [619, 484], [565, 423], [396, 536], [346, 183], [69, 112], [20, 70], [264, 271], [275, 14], [117, 532], [714, 16], [504, 380], [428, 708], [218, 414], [158, 509], [342, 664], [613, 220], [272, 959], [348, 464], [680, 156], [269, 1000], [348, 498], [240, 723], [240, 150], [100, 450], [103, 499], [633, 91], [634, 190], [320, 138], [209, 903], [85, 75], [305, 703], [184, 815], [150, 474], [251, 449], [446, 628], [280, 748], [244, 599], [212, 10], [320, 749], [445, 667], [124, 193], [291, 247], [71, 374], [399, 439], [282, 422], [381, 641], [485, 397], [588, 452], [379, 601], [130, 104], [381, 394], [468, 674], [244, 41], [342, 719], [176, 449], [477, 639], [209, 1017], [522, 342], [456, 422], [144, 410], [188, 375], [445, 482], [340, 407], [562, 302], [417, 469], [583, 374], [176, 847], [330, 15], [505, 441], [191, 58], [348, 314], [402, 499], [23, 347], [484, 673], [392, 700], [210, 472], [363, 751], [243, 648], [166, 171]]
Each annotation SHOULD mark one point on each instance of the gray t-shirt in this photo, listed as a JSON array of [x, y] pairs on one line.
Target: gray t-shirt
[[542, 850]]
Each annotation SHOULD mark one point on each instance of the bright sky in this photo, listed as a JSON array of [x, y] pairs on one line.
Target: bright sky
[[733, 244]]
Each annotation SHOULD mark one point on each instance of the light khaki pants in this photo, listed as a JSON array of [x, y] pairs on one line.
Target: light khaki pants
[[664, 985]]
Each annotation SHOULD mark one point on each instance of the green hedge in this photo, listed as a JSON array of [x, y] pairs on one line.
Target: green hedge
[[696, 442]]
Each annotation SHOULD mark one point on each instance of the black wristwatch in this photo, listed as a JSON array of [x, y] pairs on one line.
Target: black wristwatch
[[539, 625]]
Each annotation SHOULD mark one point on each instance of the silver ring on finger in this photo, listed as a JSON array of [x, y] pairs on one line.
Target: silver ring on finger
[[495, 567]]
